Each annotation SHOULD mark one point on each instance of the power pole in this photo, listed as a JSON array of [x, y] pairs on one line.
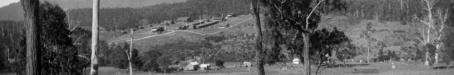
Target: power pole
[[130, 51], [94, 39], [31, 8], [259, 54]]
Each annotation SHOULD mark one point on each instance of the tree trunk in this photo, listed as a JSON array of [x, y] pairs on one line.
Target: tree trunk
[[31, 8], [259, 53], [94, 39], [429, 7], [368, 52], [307, 63], [130, 51], [401, 5]]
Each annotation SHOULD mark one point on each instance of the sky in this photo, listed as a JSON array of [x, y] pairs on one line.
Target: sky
[[7, 2]]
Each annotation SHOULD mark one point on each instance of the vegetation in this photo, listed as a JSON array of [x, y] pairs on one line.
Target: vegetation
[[12, 49], [57, 52]]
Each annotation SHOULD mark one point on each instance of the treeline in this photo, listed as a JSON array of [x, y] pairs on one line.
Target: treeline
[[390, 10], [12, 41], [124, 18]]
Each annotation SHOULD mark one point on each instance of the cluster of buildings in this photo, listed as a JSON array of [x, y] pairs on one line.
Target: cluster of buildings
[[184, 23]]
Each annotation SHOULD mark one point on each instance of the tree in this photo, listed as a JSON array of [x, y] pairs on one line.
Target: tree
[[129, 52], [346, 53], [367, 36], [259, 53], [149, 59], [94, 42], [296, 15], [323, 42], [31, 18], [56, 47], [435, 20], [448, 48], [242, 45], [298, 19]]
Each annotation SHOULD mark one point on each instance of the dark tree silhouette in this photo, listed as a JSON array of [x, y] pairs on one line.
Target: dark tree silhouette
[[57, 51]]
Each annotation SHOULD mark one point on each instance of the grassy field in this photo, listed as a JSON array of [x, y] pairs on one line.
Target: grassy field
[[402, 68]]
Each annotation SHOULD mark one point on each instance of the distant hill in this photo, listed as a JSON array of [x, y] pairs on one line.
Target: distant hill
[[15, 12], [12, 12], [76, 4]]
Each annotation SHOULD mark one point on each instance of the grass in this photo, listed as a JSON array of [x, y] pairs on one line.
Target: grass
[[382, 68]]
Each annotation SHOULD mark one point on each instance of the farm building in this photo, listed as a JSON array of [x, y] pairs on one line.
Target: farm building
[[182, 19]]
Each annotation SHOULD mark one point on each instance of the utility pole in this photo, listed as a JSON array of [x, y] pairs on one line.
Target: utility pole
[[94, 39], [130, 51], [31, 8]]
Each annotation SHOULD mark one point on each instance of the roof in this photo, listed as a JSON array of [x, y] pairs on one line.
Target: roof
[[183, 19]]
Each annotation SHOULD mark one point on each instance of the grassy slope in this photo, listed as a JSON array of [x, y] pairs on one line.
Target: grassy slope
[[144, 39]]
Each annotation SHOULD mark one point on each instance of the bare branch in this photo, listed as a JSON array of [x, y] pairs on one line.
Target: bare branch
[[310, 14]]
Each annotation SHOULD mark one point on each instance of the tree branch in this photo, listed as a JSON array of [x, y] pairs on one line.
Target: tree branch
[[310, 14]]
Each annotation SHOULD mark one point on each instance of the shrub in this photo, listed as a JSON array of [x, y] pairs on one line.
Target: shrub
[[148, 60], [219, 63], [164, 62]]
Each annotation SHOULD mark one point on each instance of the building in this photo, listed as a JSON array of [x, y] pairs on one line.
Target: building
[[182, 19]]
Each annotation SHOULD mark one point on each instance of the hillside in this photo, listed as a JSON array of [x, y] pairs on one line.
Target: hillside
[[15, 12], [145, 39], [385, 35]]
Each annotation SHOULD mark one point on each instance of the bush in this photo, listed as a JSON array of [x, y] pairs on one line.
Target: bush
[[150, 65], [114, 56], [164, 62], [148, 60], [219, 63]]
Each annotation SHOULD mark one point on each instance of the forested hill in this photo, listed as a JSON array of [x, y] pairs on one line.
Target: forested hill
[[14, 11], [123, 18]]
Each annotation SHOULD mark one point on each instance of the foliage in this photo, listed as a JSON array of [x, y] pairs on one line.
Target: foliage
[[324, 42], [447, 50], [115, 56], [57, 53], [347, 53], [12, 41], [390, 55], [241, 46], [149, 60], [164, 62], [219, 63], [290, 22], [388, 10]]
